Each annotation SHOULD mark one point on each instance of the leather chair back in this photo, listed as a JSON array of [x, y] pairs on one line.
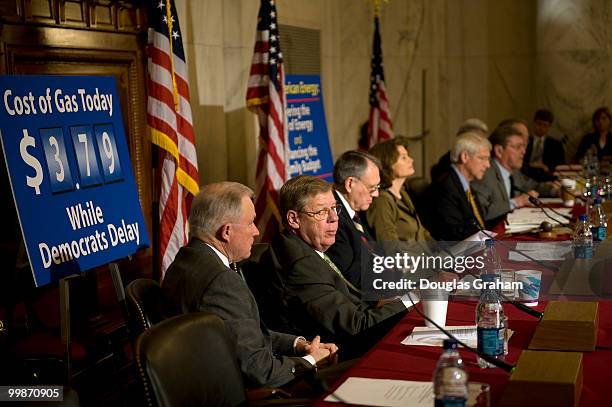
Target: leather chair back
[[188, 360], [417, 189], [144, 301]]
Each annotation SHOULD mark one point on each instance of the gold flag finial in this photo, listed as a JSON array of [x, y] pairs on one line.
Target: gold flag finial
[[378, 6]]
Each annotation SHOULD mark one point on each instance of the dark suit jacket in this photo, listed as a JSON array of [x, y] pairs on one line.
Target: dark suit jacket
[[346, 251], [552, 155], [492, 194], [591, 140], [198, 280], [450, 216], [441, 167], [310, 298]]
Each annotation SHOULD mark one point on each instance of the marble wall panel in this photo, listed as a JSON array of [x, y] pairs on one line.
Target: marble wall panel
[[208, 77], [236, 65], [573, 63], [509, 88], [307, 14], [211, 136], [209, 11], [484, 58], [474, 14]]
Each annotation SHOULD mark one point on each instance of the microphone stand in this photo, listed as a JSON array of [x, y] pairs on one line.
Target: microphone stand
[[539, 262], [536, 202]]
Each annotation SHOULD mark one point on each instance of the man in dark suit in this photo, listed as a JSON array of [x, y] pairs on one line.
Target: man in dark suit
[[504, 187], [305, 289], [200, 279], [356, 183], [543, 152], [455, 213], [473, 125]]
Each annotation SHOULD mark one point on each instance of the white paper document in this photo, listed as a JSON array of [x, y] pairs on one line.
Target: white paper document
[[426, 336], [521, 228], [392, 393], [471, 244], [543, 246], [535, 216], [541, 251], [541, 256], [551, 201], [383, 392]]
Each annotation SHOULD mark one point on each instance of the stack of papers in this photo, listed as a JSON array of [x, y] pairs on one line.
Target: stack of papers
[[549, 251], [383, 392], [392, 393], [426, 336], [527, 219]]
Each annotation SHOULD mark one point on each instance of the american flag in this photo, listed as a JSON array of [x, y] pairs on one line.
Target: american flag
[[169, 118], [266, 97], [379, 123]]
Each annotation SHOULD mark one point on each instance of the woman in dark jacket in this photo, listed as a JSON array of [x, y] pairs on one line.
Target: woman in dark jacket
[[599, 140]]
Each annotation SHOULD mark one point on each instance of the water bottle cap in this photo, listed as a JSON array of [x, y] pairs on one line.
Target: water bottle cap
[[450, 344], [489, 242], [584, 218]]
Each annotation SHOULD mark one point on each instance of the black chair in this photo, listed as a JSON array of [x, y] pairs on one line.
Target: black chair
[[188, 360], [144, 303], [417, 189]]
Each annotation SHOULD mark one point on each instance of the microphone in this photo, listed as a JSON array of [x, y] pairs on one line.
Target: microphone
[[506, 367], [536, 202]]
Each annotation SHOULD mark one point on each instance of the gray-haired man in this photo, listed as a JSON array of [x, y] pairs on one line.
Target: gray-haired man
[[200, 279], [455, 212]]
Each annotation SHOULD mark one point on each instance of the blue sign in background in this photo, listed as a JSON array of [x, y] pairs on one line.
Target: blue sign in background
[[309, 152], [69, 166]]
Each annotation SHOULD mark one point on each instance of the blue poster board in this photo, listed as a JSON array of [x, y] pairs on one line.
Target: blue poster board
[[309, 152], [69, 166]]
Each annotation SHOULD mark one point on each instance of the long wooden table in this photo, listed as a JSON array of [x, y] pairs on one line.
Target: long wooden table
[[389, 359]]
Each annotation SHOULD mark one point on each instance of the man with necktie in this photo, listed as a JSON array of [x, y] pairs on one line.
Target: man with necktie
[[504, 187], [543, 153], [356, 184], [305, 289], [201, 279], [455, 213]]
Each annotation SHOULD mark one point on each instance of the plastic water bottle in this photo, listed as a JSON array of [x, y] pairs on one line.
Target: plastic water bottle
[[450, 380], [490, 322], [607, 192], [492, 264], [599, 222], [583, 239], [590, 163]]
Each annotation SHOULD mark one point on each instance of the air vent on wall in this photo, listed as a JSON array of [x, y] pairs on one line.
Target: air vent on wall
[[301, 50]]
